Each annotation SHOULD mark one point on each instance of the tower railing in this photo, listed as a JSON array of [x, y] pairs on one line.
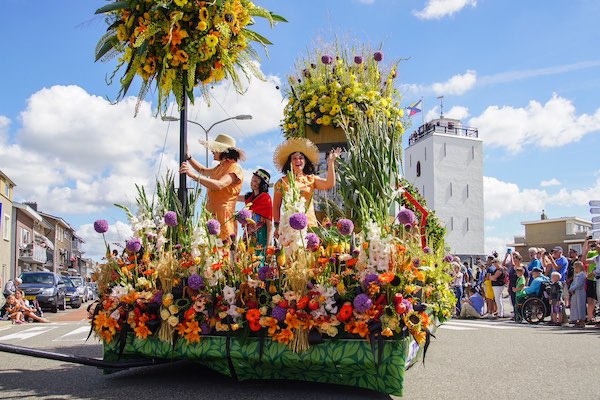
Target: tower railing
[[443, 128]]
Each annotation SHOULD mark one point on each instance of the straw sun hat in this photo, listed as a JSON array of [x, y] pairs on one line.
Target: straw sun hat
[[221, 144], [293, 145]]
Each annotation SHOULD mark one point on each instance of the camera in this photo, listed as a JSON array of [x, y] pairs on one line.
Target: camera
[[508, 251], [590, 237]]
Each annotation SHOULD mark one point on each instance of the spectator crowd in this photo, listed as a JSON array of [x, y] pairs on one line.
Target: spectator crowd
[[570, 284]]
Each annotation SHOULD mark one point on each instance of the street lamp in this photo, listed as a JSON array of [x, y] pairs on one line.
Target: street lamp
[[238, 117]]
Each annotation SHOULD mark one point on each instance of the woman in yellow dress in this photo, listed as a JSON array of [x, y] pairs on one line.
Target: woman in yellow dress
[[300, 156], [223, 183]]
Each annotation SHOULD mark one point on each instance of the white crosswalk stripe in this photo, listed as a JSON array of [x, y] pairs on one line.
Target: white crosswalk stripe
[[27, 333], [79, 334], [469, 325]]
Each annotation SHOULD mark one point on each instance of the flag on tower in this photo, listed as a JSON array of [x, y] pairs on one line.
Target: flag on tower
[[414, 108]]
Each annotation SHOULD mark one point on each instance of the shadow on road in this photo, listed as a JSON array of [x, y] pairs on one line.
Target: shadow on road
[[181, 380]]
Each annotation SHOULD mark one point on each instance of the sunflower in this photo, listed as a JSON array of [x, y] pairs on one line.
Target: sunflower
[[413, 320]]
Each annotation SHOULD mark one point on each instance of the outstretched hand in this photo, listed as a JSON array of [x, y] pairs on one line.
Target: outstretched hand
[[334, 154], [185, 168]]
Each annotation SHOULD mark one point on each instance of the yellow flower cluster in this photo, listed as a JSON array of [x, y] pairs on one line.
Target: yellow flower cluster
[[182, 43], [331, 90]]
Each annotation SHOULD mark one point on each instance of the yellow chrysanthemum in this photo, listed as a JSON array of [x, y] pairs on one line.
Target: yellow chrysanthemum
[[181, 3], [212, 40], [202, 26]]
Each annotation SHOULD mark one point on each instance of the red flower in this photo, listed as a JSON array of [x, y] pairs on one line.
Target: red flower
[[345, 312]]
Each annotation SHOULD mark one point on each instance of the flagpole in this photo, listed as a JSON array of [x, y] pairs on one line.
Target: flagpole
[[423, 113]]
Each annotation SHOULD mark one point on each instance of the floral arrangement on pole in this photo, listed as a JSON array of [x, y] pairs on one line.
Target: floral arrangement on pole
[[330, 86], [180, 43], [334, 283]]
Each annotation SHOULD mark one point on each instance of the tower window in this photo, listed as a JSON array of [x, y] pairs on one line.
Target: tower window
[[418, 168], [444, 149]]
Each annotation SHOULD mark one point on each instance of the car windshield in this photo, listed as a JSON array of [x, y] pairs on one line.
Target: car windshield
[[77, 281], [68, 282], [40, 279]]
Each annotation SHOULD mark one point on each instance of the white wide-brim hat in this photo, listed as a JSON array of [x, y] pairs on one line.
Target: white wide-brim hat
[[221, 144], [295, 145]]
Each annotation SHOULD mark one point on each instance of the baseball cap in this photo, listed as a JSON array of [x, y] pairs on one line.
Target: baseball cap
[[537, 269], [557, 248]]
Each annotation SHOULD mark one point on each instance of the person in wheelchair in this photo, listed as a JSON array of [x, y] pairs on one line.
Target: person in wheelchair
[[535, 290]]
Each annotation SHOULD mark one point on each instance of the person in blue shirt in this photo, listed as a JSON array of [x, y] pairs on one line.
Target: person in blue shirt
[[536, 284], [535, 262], [472, 306]]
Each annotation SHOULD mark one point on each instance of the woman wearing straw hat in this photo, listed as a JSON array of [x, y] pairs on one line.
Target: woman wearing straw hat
[[300, 156], [259, 202], [223, 182]]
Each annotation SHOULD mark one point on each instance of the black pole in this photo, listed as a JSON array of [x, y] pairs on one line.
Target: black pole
[[182, 192]]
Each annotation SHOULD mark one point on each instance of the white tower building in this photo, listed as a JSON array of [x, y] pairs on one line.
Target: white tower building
[[444, 161]]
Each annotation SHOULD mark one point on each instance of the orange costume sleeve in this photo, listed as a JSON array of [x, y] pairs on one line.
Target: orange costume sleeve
[[221, 203]]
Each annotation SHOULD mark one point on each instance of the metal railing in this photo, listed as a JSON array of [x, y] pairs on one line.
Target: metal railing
[[447, 129]]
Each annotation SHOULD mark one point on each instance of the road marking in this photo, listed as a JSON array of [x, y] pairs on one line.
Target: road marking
[[26, 334], [456, 328], [480, 325], [81, 331]]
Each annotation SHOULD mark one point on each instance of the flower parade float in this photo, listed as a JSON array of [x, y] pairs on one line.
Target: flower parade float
[[352, 301]]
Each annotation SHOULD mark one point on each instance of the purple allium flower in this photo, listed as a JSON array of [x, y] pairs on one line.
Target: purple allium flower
[[205, 328], [448, 258], [416, 262], [265, 272], [378, 56], [358, 59], [178, 246], [427, 250], [371, 278], [406, 216], [157, 298], [310, 285], [362, 303], [298, 221], [306, 72], [408, 304], [171, 218], [196, 282], [213, 226], [243, 215], [345, 226], [279, 313], [326, 59], [101, 226], [312, 241], [134, 244]]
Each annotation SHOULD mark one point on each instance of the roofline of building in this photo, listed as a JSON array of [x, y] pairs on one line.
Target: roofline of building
[[544, 221], [29, 211], [2, 174]]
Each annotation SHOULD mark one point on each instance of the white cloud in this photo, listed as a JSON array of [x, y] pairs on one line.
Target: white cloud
[[456, 85], [496, 243], [77, 153], [550, 182], [456, 112], [553, 124], [504, 198], [577, 197], [437, 9]]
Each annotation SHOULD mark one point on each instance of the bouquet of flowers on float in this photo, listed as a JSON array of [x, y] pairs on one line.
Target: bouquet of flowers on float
[[334, 83], [178, 44], [177, 280]]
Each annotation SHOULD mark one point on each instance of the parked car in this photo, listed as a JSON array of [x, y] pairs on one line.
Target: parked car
[[47, 287], [73, 298], [82, 288], [93, 286]]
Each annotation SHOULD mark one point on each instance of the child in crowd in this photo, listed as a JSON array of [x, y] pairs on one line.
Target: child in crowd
[[577, 291], [488, 290], [555, 292], [11, 311], [519, 286]]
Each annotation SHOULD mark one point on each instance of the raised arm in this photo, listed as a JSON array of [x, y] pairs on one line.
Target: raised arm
[[326, 184]]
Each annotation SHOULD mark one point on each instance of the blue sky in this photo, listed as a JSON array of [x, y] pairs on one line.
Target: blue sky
[[526, 74]]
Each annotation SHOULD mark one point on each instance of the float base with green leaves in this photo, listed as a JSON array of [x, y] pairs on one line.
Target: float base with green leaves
[[349, 362]]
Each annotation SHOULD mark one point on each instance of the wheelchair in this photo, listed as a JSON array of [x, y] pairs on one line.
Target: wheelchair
[[534, 308]]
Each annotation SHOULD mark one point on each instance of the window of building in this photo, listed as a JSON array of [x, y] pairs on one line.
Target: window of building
[[467, 223], [6, 189], [418, 169], [25, 236], [410, 161], [450, 189], [425, 148], [451, 223], [6, 230], [473, 152], [444, 149], [576, 247], [467, 190]]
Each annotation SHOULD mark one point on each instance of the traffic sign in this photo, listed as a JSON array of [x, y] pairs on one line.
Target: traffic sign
[[596, 234], [594, 210], [596, 219], [594, 203], [596, 226]]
